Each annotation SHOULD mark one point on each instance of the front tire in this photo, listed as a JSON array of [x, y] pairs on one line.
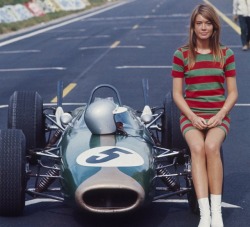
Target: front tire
[[26, 113], [12, 172]]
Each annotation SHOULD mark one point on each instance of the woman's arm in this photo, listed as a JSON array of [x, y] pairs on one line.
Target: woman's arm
[[232, 96], [232, 92], [179, 100]]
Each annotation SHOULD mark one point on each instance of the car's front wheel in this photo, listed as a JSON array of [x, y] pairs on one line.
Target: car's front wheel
[[12, 172]]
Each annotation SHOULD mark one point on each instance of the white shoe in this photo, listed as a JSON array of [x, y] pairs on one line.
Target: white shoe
[[216, 214], [205, 222], [205, 219], [245, 47]]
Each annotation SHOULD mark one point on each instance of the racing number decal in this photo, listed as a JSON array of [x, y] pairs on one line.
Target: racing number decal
[[108, 156]]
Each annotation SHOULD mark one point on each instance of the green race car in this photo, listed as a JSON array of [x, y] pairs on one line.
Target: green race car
[[100, 157]]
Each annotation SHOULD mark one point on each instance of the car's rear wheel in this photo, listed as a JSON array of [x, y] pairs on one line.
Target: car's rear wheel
[[171, 133], [172, 138], [26, 113], [12, 172], [192, 198]]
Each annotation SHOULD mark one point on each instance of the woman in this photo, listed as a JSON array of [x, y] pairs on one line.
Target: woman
[[204, 64], [241, 12]]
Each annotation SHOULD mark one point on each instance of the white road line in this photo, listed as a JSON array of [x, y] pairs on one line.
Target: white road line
[[171, 201], [54, 104], [148, 27], [223, 204], [123, 28], [94, 47], [144, 67], [115, 19], [65, 104], [82, 37], [228, 205], [19, 51], [135, 47], [68, 30], [106, 47], [165, 34], [35, 201], [32, 69], [242, 104]]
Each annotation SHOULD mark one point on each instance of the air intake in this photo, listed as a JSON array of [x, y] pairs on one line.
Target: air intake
[[110, 198]]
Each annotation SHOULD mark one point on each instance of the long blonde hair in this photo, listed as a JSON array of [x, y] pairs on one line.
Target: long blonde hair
[[210, 14]]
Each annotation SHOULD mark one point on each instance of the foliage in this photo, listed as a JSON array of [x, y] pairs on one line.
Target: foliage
[[12, 2], [11, 27]]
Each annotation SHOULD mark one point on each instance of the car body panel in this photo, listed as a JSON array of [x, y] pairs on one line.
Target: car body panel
[[123, 161]]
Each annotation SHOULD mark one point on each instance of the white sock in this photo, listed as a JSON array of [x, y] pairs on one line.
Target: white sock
[[217, 220], [205, 218]]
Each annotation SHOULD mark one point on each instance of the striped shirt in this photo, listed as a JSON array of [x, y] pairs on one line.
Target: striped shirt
[[204, 83]]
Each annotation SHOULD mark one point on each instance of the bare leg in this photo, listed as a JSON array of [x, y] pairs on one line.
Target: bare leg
[[213, 141], [196, 143]]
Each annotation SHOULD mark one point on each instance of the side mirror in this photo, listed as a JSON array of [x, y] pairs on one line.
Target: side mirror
[[62, 118], [66, 118], [59, 112], [146, 115]]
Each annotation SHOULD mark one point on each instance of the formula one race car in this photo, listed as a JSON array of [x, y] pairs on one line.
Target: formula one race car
[[100, 157]]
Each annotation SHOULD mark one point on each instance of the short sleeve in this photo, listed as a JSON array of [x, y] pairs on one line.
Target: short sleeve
[[178, 64], [229, 67]]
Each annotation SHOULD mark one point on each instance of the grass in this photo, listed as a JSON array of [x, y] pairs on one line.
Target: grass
[[12, 27], [11, 2]]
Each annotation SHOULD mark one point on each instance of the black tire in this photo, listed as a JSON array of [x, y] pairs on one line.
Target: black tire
[[171, 133], [12, 169], [192, 199], [26, 113], [172, 138]]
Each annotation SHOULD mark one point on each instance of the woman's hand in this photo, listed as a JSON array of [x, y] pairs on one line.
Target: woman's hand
[[199, 122], [214, 121], [217, 119]]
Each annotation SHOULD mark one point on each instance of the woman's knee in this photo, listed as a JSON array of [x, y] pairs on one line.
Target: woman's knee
[[212, 149], [197, 150], [196, 145]]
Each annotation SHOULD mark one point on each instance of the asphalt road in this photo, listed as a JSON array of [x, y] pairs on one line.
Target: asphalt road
[[121, 44]]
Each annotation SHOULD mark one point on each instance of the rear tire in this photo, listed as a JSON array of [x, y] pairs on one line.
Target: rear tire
[[172, 138], [12, 169], [192, 199], [171, 133]]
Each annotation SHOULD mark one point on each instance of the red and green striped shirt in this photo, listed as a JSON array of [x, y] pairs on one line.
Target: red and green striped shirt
[[204, 91], [204, 84]]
